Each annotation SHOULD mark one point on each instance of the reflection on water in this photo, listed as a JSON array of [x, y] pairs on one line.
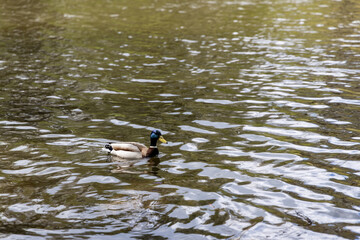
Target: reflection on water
[[259, 101]]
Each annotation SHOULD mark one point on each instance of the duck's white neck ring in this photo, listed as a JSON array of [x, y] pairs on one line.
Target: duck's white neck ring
[[153, 146]]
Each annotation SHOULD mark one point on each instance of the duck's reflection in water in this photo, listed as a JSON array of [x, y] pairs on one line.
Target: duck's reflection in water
[[137, 166]]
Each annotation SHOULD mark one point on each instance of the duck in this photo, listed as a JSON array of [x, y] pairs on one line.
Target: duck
[[135, 150]]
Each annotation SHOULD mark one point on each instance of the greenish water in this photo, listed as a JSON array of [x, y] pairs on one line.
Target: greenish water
[[259, 101]]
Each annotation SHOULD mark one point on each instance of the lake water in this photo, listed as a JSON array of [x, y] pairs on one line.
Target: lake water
[[259, 100]]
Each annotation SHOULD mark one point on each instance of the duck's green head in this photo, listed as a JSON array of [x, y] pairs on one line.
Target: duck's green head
[[156, 135]]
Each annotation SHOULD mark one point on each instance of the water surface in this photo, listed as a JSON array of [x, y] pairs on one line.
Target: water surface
[[259, 101]]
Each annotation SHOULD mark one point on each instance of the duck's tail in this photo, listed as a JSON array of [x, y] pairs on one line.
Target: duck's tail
[[108, 146]]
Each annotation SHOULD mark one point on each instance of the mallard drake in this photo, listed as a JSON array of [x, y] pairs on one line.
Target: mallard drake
[[134, 150]]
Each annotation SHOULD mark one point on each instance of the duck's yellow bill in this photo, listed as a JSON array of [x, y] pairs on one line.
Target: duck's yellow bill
[[162, 139]]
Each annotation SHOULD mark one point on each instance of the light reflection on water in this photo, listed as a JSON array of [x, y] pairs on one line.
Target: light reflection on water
[[259, 103]]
